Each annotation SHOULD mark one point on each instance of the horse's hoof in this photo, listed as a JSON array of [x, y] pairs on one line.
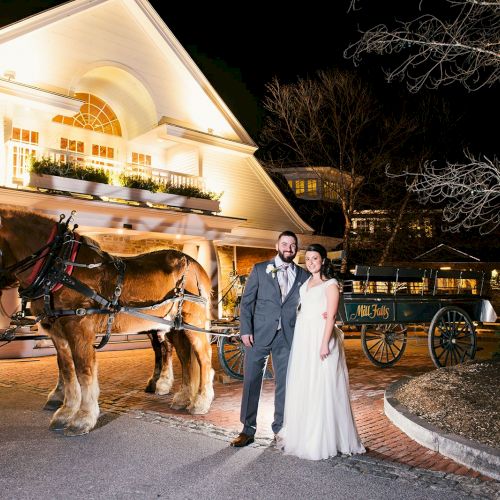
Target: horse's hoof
[[178, 406], [151, 387], [52, 405], [181, 400], [163, 389], [57, 425], [162, 392], [199, 409], [71, 431]]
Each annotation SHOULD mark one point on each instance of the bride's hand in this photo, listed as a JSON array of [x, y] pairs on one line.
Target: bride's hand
[[324, 351]]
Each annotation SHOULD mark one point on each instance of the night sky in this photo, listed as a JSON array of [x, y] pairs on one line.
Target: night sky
[[241, 48]]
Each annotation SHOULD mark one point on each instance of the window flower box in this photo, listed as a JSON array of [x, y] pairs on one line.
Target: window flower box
[[100, 190]]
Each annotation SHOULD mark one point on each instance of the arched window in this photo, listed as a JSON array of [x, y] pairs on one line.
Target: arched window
[[94, 114]]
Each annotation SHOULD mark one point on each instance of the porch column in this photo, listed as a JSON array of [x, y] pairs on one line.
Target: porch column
[[207, 257], [190, 249], [5, 136]]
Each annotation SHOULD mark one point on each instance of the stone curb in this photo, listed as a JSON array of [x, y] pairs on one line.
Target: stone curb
[[482, 458]]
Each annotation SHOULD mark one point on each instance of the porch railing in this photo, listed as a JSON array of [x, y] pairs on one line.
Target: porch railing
[[20, 156]]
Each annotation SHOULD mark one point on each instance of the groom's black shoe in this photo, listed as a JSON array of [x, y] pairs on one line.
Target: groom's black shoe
[[241, 440]]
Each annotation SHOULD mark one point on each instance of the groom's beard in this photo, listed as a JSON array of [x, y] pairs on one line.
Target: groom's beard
[[286, 258]]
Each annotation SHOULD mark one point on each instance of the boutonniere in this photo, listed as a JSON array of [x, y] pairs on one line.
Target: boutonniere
[[272, 269]]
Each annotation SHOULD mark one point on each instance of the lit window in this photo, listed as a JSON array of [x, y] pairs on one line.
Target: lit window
[[331, 190], [414, 227], [299, 186], [141, 165], [141, 159], [290, 183], [427, 228], [104, 152], [23, 135], [312, 187], [72, 146], [22, 151], [94, 115]]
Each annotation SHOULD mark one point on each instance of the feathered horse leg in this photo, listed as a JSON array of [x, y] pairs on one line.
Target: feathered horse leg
[[162, 379], [84, 359], [202, 375], [182, 399], [55, 399], [72, 393]]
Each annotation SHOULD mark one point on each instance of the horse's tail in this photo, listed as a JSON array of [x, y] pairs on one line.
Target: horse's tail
[[204, 289], [194, 373], [204, 284]]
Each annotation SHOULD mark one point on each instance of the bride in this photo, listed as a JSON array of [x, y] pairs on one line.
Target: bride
[[318, 421]]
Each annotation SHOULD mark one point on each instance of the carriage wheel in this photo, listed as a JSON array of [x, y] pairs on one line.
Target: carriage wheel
[[232, 358], [452, 337], [383, 344]]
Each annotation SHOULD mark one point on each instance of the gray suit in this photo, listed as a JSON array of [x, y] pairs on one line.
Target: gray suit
[[260, 313]]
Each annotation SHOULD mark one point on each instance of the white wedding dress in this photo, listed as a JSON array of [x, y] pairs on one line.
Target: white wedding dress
[[318, 421]]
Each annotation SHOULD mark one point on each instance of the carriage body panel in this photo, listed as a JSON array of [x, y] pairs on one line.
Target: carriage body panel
[[360, 309]]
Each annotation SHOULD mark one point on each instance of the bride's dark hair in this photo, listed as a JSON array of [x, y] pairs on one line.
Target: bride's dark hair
[[327, 271]]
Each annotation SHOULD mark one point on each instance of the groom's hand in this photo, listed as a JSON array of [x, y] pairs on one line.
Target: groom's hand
[[247, 340]]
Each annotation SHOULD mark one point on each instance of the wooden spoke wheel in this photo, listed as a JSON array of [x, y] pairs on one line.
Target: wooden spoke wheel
[[452, 337], [232, 358], [383, 344]]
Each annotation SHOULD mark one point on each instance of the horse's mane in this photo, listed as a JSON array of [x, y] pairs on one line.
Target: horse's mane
[[27, 216], [34, 224]]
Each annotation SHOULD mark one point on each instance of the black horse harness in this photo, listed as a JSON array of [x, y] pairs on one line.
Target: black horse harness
[[52, 267]]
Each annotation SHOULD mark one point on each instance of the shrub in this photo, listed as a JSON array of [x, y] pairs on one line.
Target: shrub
[[138, 182], [47, 166], [190, 191]]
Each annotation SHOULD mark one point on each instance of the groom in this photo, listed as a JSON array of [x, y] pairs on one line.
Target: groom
[[267, 319]]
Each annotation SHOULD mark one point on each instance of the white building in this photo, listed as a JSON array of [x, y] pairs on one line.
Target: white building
[[106, 83]]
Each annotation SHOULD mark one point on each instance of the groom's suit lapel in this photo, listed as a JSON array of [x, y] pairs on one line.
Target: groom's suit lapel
[[275, 279]]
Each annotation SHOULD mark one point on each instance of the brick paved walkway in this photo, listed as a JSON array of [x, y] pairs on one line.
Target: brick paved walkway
[[123, 376]]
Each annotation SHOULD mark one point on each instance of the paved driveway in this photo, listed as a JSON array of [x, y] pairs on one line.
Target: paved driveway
[[123, 376]]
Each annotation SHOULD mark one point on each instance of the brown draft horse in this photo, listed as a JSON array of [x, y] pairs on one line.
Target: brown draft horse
[[148, 279]]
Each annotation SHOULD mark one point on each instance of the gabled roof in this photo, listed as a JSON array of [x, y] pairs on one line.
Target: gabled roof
[[147, 17], [445, 253]]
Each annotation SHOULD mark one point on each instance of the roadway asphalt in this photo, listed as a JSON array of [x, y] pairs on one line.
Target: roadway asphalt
[[129, 456]]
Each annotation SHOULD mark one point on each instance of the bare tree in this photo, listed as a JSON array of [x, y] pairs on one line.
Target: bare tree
[[464, 49], [333, 120], [472, 190]]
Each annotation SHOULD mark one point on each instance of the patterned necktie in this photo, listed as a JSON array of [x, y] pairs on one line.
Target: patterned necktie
[[284, 282]]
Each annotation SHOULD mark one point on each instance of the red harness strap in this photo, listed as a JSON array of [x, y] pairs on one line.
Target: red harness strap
[[43, 256], [39, 263], [72, 258]]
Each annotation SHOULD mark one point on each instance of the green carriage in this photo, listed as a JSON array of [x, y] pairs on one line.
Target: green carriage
[[384, 301]]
